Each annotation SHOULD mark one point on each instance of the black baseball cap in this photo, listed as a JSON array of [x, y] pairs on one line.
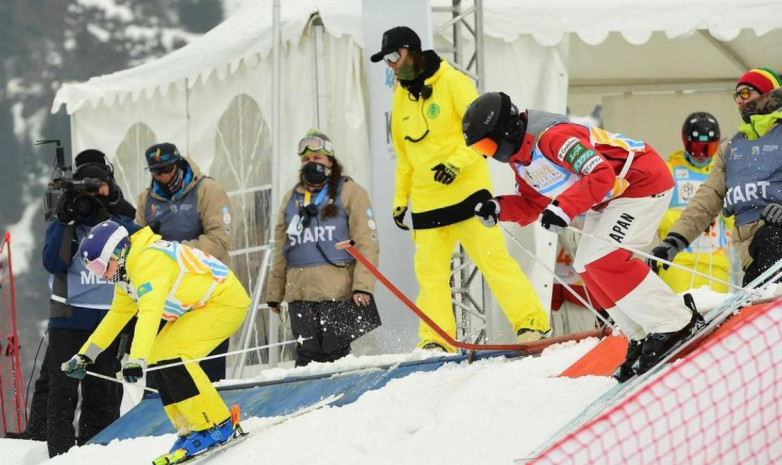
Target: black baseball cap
[[396, 38], [162, 155]]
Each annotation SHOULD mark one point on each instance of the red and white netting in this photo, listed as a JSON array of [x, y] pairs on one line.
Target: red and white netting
[[722, 404]]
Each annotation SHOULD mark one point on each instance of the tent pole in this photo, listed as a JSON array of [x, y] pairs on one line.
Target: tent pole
[[274, 322]]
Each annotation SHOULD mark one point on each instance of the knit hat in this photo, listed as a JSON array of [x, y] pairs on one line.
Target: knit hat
[[762, 79], [92, 170]]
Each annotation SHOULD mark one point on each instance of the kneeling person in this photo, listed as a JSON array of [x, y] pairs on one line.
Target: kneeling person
[[203, 303]]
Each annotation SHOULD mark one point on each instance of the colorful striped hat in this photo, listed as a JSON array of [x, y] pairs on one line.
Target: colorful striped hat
[[762, 79]]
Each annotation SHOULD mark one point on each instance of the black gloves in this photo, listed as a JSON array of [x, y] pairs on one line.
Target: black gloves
[[488, 212], [554, 219], [667, 250], [445, 173], [772, 215], [133, 371], [399, 218]]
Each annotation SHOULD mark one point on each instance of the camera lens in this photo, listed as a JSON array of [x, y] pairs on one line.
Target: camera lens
[[84, 206]]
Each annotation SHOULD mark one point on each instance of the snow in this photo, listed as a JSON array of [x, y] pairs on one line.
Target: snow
[[120, 12], [489, 412]]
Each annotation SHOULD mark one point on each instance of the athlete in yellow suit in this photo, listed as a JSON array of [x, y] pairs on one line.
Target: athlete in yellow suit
[[201, 299], [442, 180], [690, 167]]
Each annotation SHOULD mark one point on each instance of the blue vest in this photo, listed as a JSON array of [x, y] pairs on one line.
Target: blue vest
[[84, 288], [753, 175], [179, 220], [316, 241]]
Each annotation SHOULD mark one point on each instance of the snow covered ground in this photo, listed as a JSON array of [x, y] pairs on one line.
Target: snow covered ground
[[489, 412]]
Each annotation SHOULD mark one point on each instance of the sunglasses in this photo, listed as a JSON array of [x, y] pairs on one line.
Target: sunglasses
[[315, 144], [744, 93], [163, 170], [392, 57]]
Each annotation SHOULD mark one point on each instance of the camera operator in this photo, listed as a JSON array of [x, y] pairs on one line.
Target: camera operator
[[79, 301]]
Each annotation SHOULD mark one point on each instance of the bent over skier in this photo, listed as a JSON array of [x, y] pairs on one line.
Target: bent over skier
[[203, 303], [564, 169]]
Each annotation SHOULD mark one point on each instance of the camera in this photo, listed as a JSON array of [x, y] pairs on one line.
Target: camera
[[80, 203]]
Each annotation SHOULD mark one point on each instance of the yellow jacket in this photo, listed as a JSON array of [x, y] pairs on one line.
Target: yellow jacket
[[440, 115], [152, 275]]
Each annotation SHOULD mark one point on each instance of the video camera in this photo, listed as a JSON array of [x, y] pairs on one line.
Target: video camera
[[81, 204]]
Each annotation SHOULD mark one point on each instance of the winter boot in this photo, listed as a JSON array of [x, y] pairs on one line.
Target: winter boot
[[525, 335], [627, 368], [180, 441], [199, 441], [434, 346], [656, 345]]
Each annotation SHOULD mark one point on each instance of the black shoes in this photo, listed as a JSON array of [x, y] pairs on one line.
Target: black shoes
[[656, 345], [627, 368]]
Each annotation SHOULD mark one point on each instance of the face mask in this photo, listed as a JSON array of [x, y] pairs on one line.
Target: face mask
[[175, 183], [314, 173], [407, 70]]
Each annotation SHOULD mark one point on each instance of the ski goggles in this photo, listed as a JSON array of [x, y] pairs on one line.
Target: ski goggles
[[97, 266], [485, 147], [743, 93], [702, 151], [392, 57], [315, 144]]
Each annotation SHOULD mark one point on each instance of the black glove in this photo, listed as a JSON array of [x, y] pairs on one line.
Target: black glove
[[133, 370], [445, 173], [554, 219], [772, 215], [667, 250], [488, 212], [76, 367], [361, 298], [64, 208], [399, 218]]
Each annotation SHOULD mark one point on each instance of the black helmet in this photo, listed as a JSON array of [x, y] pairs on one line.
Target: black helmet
[[492, 126], [701, 137]]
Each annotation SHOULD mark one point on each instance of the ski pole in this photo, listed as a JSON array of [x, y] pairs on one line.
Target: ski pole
[[109, 378], [560, 280], [528, 348], [209, 357], [661, 260]]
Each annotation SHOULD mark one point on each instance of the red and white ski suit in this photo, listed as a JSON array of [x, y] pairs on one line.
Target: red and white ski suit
[[586, 170]]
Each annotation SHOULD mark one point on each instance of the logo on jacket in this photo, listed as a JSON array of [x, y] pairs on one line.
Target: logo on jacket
[[433, 111], [755, 150]]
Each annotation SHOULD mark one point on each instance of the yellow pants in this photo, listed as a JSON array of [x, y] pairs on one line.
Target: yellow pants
[[189, 399], [486, 247], [681, 281]]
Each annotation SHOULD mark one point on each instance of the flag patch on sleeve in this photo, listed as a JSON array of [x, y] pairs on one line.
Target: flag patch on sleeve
[[144, 288]]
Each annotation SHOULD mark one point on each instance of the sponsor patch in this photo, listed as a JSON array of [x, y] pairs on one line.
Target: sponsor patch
[[565, 147], [226, 216], [143, 289], [581, 160], [372, 225], [591, 164], [433, 111]]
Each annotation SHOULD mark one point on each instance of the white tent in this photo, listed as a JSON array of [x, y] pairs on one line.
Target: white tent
[[648, 62]]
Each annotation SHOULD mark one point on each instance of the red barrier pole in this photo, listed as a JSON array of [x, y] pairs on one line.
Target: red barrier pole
[[13, 347], [528, 348]]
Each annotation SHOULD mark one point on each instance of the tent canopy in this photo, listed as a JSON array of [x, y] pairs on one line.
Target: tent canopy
[[687, 42]]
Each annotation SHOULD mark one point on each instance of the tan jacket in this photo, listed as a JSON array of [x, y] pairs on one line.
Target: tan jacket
[[212, 202], [327, 282], [706, 204]]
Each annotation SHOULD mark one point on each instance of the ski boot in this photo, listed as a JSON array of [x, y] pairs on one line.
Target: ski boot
[[198, 442], [657, 345], [627, 368]]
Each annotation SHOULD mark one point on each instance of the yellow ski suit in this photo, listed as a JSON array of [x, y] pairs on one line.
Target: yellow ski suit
[[708, 254], [426, 132], [203, 302]]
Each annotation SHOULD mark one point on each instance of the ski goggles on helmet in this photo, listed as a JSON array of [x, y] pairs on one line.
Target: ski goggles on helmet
[[315, 144], [486, 147], [702, 151], [97, 266], [392, 57]]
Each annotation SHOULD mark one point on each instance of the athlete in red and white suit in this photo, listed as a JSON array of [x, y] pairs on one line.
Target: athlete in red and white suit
[[564, 169]]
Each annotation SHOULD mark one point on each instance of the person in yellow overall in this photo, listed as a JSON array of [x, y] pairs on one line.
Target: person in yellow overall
[[708, 254], [442, 180], [203, 302]]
